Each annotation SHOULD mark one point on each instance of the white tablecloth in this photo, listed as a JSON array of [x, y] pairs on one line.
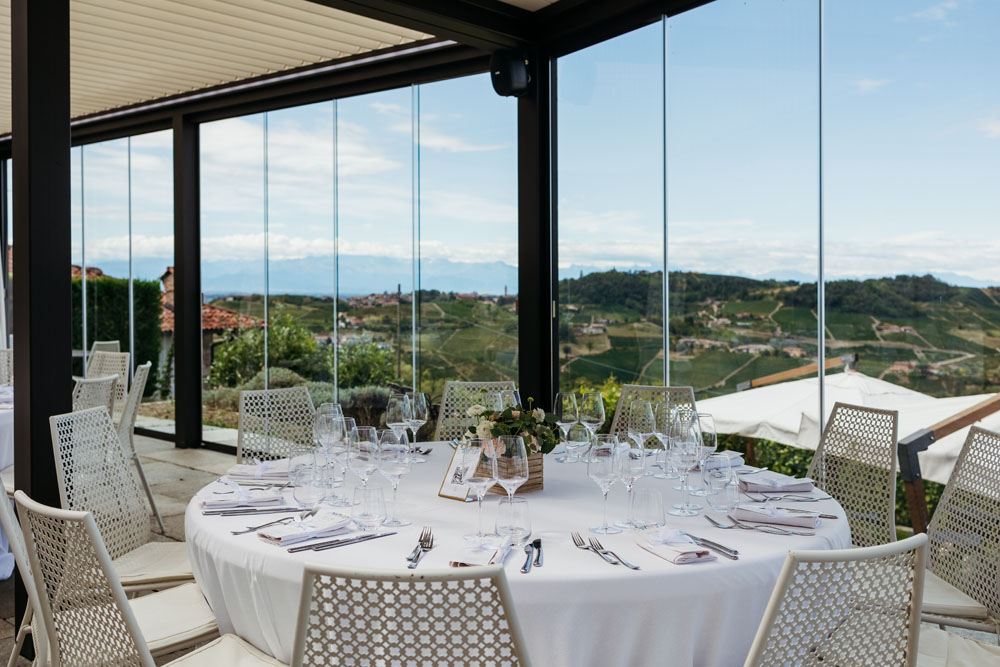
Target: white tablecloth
[[576, 610], [6, 461]]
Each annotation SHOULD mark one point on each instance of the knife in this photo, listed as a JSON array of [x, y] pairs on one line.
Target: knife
[[323, 546], [821, 516], [715, 546], [242, 511]]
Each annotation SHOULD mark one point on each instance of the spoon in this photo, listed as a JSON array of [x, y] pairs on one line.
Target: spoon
[[529, 552], [252, 529]]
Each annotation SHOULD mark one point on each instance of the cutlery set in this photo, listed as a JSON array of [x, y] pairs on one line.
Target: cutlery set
[[764, 528], [533, 555], [609, 556], [424, 544]]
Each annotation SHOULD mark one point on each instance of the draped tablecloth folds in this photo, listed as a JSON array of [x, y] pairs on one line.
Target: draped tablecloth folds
[[576, 610]]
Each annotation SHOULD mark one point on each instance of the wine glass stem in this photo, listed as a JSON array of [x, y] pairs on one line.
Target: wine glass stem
[[414, 435], [605, 524], [392, 517], [479, 526]]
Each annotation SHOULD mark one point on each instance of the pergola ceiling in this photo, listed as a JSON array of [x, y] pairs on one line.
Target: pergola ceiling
[[125, 52]]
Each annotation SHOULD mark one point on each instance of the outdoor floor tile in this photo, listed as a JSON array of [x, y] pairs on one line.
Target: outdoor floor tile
[[207, 460]]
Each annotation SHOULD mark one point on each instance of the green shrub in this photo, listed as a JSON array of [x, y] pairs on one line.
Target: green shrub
[[225, 398], [365, 404], [363, 362], [290, 346], [277, 378]]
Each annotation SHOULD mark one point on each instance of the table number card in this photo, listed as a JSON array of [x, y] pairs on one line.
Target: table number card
[[453, 485]]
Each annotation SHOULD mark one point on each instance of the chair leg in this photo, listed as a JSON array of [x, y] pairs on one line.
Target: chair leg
[[22, 632], [149, 493]]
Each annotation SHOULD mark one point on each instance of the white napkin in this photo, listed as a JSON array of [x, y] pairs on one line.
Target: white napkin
[[735, 460], [267, 471], [475, 555], [776, 515], [773, 482], [6, 398], [241, 498], [672, 545], [324, 523]]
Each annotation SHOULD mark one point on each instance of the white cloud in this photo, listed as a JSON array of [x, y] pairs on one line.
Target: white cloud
[[990, 128], [938, 12], [869, 85]]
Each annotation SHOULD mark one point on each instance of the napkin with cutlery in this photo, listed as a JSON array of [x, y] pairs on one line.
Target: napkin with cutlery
[[324, 523], [777, 515], [242, 498], [774, 482], [672, 545], [475, 555], [735, 459], [265, 471]]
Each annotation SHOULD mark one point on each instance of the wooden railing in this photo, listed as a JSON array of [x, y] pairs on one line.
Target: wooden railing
[[849, 360], [909, 464]]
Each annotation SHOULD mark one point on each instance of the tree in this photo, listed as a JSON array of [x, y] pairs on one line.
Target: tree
[[364, 362]]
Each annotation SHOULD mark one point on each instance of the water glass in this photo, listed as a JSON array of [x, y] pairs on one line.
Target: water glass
[[513, 523], [369, 507], [646, 509], [512, 462], [308, 489], [721, 486], [604, 468], [393, 463], [362, 456], [480, 465]]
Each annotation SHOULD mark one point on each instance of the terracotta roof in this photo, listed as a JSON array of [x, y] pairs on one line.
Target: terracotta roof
[[213, 318]]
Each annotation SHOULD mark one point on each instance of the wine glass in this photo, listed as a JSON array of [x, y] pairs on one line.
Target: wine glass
[[513, 521], [362, 458], [418, 412], [592, 411], [510, 398], [633, 463], [663, 415], [687, 451], [577, 441], [512, 463], [683, 424], [332, 409], [566, 416], [323, 429], [604, 467], [340, 451], [640, 423], [397, 412], [719, 481], [301, 456], [491, 401], [709, 443], [369, 507], [480, 465], [393, 463]]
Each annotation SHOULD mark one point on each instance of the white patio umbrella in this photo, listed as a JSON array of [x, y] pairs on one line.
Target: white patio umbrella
[[788, 413]]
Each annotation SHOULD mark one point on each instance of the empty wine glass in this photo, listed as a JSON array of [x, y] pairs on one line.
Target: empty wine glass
[[510, 398], [687, 451], [369, 507], [340, 452], [683, 424], [301, 456], [592, 411], [363, 455], [480, 463], [577, 441], [513, 523], [719, 481], [663, 415], [323, 429], [397, 412], [633, 463], [604, 467], [393, 463], [491, 402], [332, 409], [512, 462], [566, 416], [709, 443], [418, 412]]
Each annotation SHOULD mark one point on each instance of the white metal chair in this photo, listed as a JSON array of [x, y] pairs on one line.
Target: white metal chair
[[855, 463], [102, 364], [680, 396], [845, 607], [85, 613], [29, 623], [94, 476], [105, 346], [963, 578], [126, 432], [434, 617], [272, 422], [94, 392], [458, 397], [7, 366]]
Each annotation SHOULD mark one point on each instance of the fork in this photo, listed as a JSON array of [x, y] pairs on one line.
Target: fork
[[767, 528], [773, 530], [580, 544], [426, 544], [750, 472], [595, 544], [424, 534], [788, 497]]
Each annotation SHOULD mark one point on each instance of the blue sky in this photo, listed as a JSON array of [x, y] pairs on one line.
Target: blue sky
[[911, 148]]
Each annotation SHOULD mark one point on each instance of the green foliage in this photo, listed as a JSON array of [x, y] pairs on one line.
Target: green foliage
[[239, 358], [108, 317], [519, 420], [882, 297], [610, 391], [364, 362], [277, 378]]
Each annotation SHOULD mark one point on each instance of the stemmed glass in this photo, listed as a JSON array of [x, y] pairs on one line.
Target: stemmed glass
[[720, 483], [393, 463], [687, 451], [332, 409], [640, 425], [604, 463], [567, 415], [397, 412], [479, 458], [509, 398], [709, 443], [491, 401], [340, 451], [664, 418], [592, 412], [363, 456], [633, 463], [577, 441], [418, 413], [512, 468]]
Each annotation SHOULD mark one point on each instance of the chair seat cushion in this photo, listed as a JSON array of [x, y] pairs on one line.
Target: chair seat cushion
[[228, 650], [174, 618], [939, 649], [155, 562], [943, 599]]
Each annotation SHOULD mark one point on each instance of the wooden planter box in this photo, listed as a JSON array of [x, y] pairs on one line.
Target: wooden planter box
[[535, 475]]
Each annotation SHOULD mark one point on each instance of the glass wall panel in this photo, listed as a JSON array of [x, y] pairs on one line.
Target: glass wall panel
[[233, 269], [467, 294], [610, 185], [742, 192], [912, 131]]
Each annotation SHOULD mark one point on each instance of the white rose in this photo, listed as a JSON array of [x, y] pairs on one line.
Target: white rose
[[485, 428], [474, 411], [538, 414], [469, 435]]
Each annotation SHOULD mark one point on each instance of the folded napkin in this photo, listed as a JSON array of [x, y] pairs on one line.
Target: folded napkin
[[242, 498], [773, 482], [672, 545], [475, 555], [268, 471], [776, 515], [735, 460], [324, 523]]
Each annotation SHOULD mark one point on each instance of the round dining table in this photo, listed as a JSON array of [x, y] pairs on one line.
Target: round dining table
[[576, 610]]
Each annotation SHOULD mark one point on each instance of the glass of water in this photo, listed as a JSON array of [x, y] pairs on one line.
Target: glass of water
[[513, 521]]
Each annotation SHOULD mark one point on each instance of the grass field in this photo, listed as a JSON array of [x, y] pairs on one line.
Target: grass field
[[761, 307], [796, 321]]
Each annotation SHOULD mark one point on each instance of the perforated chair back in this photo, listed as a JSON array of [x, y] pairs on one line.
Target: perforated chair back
[[87, 618], [94, 393], [272, 422], [7, 366], [105, 346], [845, 607], [95, 477], [126, 422], [432, 617], [965, 529], [15, 538], [682, 397], [856, 464], [102, 364], [457, 398]]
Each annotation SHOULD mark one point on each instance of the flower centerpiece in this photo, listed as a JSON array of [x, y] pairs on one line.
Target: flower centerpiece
[[539, 430]]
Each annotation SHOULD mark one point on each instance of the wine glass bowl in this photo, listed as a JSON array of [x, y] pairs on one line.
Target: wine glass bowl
[[512, 462], [479, 464]]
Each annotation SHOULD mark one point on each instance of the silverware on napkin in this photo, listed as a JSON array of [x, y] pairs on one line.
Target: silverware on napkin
[[242, 511], [333, 544], [728, 552]]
